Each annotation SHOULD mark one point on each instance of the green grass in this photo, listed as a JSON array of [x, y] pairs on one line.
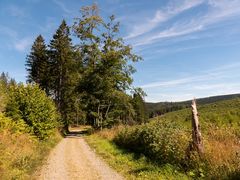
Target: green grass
[[157, 150], [220, 114], [165, 140], [131, 165]]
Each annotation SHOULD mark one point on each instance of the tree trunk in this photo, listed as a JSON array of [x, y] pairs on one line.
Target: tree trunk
[[196, 134]]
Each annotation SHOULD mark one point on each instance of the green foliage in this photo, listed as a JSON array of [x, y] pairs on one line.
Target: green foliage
[[139, 106], [31, 104], [17, 127], [165, 140], [37, 64], [161, 142], [132, 165], [5, 83], [160, 108], [86, 79], [20, 152], [64, 75], [106, 71], [3, 97]]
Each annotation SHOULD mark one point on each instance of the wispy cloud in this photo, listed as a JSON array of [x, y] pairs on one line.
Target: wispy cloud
[[213, 74], [14, 42], [62, 6], [51, 23], [160, 16], [168, 83], [218, 10], [8, 31], [171, 97], [16, 11], [23, 44], [217, 81]]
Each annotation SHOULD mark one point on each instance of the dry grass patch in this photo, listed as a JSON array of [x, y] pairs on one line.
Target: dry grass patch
[[109, 134]]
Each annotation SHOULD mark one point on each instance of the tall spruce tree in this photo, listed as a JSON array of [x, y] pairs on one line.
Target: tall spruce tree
[[139, 106], [63, 74], [37, 64]]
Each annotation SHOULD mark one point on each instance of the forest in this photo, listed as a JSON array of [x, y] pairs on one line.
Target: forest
[[88, 80]]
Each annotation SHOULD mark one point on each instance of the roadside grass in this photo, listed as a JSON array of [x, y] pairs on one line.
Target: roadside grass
[[21, 154], [159, 149], [131, 165]]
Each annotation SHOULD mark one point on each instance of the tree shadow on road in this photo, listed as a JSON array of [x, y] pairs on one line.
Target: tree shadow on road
[[80, 131]]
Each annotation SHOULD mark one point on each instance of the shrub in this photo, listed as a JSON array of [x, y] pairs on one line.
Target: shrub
[[20, 152], [164, 143], [3, 97], [17, 127], [31, 104]]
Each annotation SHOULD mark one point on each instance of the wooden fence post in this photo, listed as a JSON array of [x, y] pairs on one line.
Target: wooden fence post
[[196, 133]]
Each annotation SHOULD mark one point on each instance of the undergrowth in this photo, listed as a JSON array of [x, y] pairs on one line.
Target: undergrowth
[[165, 140], [131, 165], [20, 152]]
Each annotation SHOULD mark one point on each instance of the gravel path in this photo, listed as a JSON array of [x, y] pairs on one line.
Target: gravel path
[[72, 159]]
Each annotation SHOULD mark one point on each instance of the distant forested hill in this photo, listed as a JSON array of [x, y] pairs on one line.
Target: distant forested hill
[[154, 109]]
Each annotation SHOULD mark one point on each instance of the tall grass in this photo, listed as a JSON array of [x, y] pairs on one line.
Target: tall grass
[[165, 140], [20, 152]]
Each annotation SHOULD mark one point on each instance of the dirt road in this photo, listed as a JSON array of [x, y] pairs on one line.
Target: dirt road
[[72, 159]]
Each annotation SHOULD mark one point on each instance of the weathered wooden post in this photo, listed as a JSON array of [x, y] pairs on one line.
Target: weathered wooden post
[[196, 133]]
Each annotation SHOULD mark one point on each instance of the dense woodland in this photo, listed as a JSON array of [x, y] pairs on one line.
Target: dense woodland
[[160, 108], [88, 80]]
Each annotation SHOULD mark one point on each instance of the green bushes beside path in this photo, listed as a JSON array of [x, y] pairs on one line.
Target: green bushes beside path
[[165, 140], [28, 130], [32, 105]]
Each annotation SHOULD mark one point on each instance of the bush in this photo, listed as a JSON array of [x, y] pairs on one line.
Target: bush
[[20, 152], [165, 140], [17, 127], [3, 96], [31, 104], [164, 143]]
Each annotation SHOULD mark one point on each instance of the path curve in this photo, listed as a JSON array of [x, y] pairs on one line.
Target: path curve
[[72, 159]]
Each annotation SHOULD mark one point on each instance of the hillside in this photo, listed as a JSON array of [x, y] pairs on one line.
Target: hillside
[[165, 140], [223, 114], [159, 108]]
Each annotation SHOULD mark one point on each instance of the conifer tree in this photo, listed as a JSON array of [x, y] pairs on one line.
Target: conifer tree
[[37, 64], [63, 76], [139, 106]]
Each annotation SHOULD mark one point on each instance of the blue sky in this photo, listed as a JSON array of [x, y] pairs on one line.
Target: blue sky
[[191, 48]]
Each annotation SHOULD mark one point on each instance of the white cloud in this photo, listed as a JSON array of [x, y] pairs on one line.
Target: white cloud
[[217, 81], [174, 31], [219, 10], [160, 16], [213, 74], [8, 31], [181, 81], [16, 11], [167, 83], [62, 6], [23, 44], [171, 97], [50, 25]]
